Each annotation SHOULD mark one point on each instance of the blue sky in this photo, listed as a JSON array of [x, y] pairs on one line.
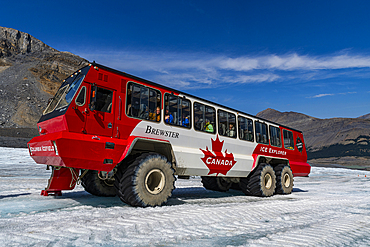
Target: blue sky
[[311, 57]]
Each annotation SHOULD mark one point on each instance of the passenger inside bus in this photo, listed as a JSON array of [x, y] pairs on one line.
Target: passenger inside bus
[[168, 118], [231, 131], [197, 123], [246, 135], [144, 113], [135, 109], [185, 122], [208, 127], [259, 138], [155, 116], [103, 100]]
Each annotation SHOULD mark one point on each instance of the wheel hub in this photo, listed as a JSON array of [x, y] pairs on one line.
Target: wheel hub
[[286, 180], [155, 181], [268, 181]]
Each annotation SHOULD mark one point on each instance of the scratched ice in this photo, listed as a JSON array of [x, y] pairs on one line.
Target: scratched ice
[[329, 208]]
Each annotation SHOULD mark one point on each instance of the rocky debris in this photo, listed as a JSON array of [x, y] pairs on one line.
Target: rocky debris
[[16, 137], [353, 162], [30, 73]]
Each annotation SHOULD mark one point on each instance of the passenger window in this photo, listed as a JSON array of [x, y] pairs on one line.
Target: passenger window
[[143, 102], [104, 99], [275, 137], [288, 139], [245, 129], [177, 111], [226, 124], [81, 97], [204, 118], [261, 133], [154, 105]]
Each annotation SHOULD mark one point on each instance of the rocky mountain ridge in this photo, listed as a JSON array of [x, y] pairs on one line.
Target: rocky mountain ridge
[[30, 73], [334, 140], [367, 116]]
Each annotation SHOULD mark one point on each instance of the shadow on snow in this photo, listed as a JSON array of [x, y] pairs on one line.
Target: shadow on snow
[[15, 195], [179, 196]]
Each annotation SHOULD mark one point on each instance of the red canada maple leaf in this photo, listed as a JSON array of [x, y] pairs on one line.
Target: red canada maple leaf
[[215, 160]]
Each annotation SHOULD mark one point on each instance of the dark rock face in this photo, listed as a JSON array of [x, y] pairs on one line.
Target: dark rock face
[[328, 138], [30, 74], [14, 42]]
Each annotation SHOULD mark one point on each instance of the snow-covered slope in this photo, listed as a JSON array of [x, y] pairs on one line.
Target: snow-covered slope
[[329, 208]]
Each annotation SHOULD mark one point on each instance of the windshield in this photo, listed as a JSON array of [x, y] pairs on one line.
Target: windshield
[[65, 94]]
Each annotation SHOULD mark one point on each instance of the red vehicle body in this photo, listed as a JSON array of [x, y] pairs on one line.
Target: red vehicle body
[[105, 127]]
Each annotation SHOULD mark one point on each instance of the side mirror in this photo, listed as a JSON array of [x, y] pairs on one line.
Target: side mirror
[[93, 98]]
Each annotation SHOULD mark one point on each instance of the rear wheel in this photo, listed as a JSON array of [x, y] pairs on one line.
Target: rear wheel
[[98, 183], [262, 182], [284, 179], [147, 181], [216, 184]]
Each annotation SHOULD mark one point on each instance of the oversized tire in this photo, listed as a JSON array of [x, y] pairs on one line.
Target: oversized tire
[[262, 182], [216, 184], [148, 181], [235, 186], [121, 171], [284, 179], [97, 186]]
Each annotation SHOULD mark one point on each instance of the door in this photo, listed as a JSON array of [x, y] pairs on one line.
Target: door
[[100, 118]]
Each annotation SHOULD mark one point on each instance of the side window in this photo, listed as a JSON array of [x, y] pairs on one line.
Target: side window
[[143, 102], [204, 118], [177, 111], [186, 116], [261, 133], [245, 129], [275, 137], [104, 99], [226, 124], [288, 139], [73, 87], [81, 97], [154, 105]]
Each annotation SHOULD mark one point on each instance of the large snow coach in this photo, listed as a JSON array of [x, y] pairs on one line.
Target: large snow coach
[[122, 135]]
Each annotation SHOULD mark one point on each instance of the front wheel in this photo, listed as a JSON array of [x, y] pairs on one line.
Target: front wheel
[[148, 181], [98, 184]]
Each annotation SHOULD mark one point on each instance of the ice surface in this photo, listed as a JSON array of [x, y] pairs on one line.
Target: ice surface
[[329, 208]]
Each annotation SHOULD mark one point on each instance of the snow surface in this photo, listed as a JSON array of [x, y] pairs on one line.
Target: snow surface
[[329, 208]]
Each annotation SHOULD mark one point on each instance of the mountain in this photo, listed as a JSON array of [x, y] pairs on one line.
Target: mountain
[[335, 140], [30, 74], [367, 116]]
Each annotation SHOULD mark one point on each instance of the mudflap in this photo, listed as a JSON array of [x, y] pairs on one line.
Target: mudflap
[[61, 179]]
